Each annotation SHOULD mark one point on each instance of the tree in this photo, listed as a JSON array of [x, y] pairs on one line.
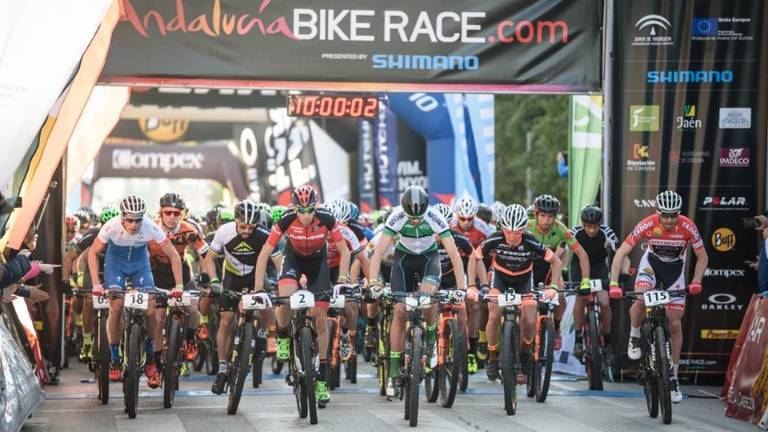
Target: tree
[[546, 116]]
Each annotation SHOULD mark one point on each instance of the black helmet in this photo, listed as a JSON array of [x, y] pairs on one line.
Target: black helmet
[[172, 199], [246, 212], [484, 213], [547, 204], [415, 201], [591, 214]]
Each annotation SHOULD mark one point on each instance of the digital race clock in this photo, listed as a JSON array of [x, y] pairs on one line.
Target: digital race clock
[[333, 106]]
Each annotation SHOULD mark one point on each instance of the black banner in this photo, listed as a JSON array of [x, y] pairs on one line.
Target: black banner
[[545, 46], [366, 172], [689, 115]]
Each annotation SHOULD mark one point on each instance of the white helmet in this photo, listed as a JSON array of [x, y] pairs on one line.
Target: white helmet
[[496, 208], [340, 209], [445, 210], [669, 202], [514, 217], [133, 205], [465, 207]]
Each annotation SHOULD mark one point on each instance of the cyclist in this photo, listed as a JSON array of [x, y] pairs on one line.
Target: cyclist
[[484, 213], [511, 254], [181, 234], [219, 216], [126, 256], [668, 234], [306, 227], [415, 227], [597, 240], [554, 234], [476, 230], [72, 229], [240, 242]]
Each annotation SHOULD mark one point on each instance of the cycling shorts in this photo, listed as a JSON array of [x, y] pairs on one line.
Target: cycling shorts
[[541, 272], [116, 272], [599, 271], [671, 274], [234, 283], [405, 266], [316, 270]]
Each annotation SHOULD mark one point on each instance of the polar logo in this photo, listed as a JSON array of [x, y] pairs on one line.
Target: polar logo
[[724, 201], [123, 159], [756, 329], [722, 298], [726, 273]]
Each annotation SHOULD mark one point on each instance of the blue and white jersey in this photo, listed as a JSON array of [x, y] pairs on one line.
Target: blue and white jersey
[[130, 247]]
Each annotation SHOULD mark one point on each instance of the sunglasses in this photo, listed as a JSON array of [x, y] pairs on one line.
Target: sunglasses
[[669, 215], [305, 210], [132, 221], [172, 212], [246, 226], [466, 219]]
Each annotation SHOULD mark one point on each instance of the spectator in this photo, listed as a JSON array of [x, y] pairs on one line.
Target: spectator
[[562, 164]]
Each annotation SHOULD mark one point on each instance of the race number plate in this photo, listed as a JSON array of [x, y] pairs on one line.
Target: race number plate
[[421, 302], [302, 300], [509, 299], [252, 302], [338, 302], [137, 300], [656, 298], [185, 300], [553, 301], [100, 302], [595, 285]]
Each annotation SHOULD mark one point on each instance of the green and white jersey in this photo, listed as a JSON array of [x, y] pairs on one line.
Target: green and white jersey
[[416, 239]]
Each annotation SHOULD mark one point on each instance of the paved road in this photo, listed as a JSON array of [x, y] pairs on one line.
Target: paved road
[[72, 407]]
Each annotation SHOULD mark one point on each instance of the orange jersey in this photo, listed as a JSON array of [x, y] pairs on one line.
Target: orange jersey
[[667, 245], [184, 235]]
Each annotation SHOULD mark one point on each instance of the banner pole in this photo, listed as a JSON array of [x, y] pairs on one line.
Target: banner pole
[[607, 110]]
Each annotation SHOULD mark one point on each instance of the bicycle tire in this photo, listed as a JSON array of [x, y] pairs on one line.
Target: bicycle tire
[[383, 358], [546, 358], [432, 384], [132, 370], [594, 363], [414, 376], [102, 373], [333, 369], [240, 368], [456, 355], [650, 385], [199, 361], [174, 333], [276, 365], [662, 373], [258, 362], [509, 358], [307, 360]]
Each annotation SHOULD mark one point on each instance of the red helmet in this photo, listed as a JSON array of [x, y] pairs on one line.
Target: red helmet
[[72, 223], [304, 196]]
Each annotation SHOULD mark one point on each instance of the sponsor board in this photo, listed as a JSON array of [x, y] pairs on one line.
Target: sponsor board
[[689, 157], [644, 118], [719, 333], [735, 118], [724, 273], [652, 30], [688, 76], [640, 159], [688, 120], [722, 301], [724, 202], [734, 157], [645, 203], [720, 29], [125, 159], [723, 239]]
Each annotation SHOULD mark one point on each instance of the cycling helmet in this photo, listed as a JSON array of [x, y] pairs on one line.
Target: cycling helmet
[[72, 223], [340, 209], [414, 201], [277, 213], [484, 213], [669, 202], [496, 209], [91, 215], [514, 217], [304, 196], [265, 207], [531, 211], [212, 217], [354, 210], [133, 205], [226, 215], [445, 210], [264, 219], [107, 213], [546, 204], [246, 212], [465, 207], [591, 214], [82, 217], [172, 199]]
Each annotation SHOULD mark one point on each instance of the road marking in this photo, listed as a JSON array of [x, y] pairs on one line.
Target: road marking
[[282, 421], [428, 422], [147, 421]]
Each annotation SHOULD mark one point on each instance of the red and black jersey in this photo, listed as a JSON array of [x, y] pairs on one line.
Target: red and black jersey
[[512, 260], [309, 240], [465, 250]]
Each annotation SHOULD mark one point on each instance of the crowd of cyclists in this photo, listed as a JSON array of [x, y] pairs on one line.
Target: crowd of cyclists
[[481, 259]]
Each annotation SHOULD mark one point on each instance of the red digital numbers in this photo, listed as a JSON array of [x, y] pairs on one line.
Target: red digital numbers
[[332, 106]]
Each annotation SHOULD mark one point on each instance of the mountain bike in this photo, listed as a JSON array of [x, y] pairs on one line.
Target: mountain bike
[[101, 356], [592, 333], [175, 330], [541, 355], [349, 294], [444, 379]]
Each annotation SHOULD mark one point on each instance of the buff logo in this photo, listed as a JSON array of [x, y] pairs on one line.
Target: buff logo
[[124, 159]]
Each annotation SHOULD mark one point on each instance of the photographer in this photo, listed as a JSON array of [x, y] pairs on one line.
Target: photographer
[[760, 223]]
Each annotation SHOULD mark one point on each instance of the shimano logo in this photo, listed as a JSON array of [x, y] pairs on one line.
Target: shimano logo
[[123, 159], [426, 62], [689, 76]]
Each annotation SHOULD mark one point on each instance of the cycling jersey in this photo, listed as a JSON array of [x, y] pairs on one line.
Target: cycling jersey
[[362, 232], [512, 260], [127, 255], [416, 239], [185, 234], [309, 240], [239, 253], [557, 235], [86, 240], [666, 245], [334, 257], [465, 250], [478, 232], [596, 249]]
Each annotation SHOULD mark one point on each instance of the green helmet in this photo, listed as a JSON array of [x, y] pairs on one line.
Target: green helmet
[[108, 213], [226, 215], [277, 213]]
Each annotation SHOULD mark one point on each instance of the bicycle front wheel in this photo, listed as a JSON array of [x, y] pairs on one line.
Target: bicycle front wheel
[[102, 362], [175, 331], [453, 367], [509, 358], [546, 358], [240, 367], [307, 352], [594, 363], [661, 345], [414, 377], [132, 370], [650, 384]]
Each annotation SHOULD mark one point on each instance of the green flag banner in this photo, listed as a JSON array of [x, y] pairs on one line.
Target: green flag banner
[[585, 153]]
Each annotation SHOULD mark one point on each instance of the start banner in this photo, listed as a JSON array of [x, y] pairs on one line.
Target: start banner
[[485, 45]]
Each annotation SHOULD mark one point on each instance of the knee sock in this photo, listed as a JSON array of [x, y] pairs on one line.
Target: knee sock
[[394, 364]]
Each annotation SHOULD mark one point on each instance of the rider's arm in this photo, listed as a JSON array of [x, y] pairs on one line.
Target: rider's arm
[[344, 253], [175, 260], [261, 265], [362, 264], [618, 260], [583, 260], [458, 266], [556, 265], [385, 240], [67, 263], [208, 264], [93, 260], [701, 264]]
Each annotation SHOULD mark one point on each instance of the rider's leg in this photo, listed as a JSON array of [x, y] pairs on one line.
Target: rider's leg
[[528, 323], [675, 315], [396, 338], [224, 336], [605, 315], [114, 327]]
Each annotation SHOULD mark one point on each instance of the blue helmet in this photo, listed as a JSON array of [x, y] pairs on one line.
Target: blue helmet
[[354, 210]]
